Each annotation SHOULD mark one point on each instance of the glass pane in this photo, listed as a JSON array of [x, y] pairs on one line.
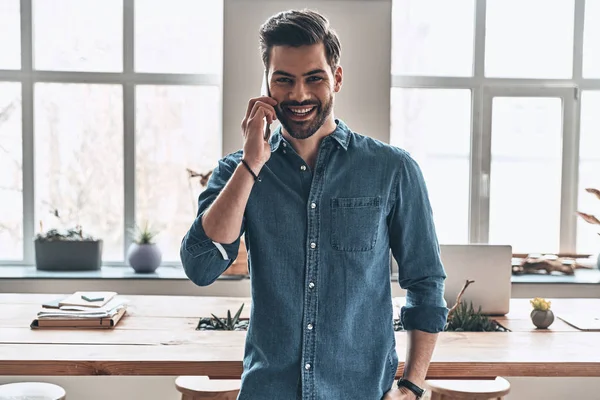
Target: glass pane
[[10, 34], [177, 128], [529, 39], [588, 242], [11, 178], [178, 36], [433, 37], [525, 183], [79, 160], [434, 126], [75, 35], [591, 40]]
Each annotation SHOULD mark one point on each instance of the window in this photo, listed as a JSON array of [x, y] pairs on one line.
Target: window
[[10, 35], [104, 117], [589, 171], [11, 178], [434, 125], [520, 44], [487, 97]]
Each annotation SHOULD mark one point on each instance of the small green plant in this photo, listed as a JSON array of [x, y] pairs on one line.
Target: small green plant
[[466, 319], [540, 304], [224, 324], [230, 323], [143, 235]]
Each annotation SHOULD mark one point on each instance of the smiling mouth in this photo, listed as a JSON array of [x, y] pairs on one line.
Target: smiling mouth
[[300, 113]]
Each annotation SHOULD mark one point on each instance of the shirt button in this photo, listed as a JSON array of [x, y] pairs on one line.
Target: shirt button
[[303, 167], [313, 245], [309, 326], [307, 366], [311, 285], [284, 144], [313, 205], [284, 152]]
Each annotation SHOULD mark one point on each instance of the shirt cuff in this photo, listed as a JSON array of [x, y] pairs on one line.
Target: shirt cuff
[[424, 317], [222, 250]]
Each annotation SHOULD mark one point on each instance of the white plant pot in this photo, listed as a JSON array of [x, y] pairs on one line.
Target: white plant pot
[[144, 258]]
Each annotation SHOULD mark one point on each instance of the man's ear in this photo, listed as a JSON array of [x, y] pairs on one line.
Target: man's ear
[[337, 79]]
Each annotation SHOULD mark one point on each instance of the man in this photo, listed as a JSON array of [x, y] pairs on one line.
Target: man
[[320, 207]]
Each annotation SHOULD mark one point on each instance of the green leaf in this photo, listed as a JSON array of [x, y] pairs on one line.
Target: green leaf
[[229, 321], [237, 315], [219, 322]]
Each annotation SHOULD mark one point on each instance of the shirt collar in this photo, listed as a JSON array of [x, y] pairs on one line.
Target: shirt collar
[[341, 134]]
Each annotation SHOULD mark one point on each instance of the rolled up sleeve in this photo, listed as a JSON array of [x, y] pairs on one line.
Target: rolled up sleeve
[[203, 259], [414, 245]]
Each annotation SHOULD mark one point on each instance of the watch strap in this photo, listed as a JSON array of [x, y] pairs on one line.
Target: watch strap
[[411, 386]]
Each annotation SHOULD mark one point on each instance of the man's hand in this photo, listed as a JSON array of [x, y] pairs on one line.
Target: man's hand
[[396, 393], [257, 150]]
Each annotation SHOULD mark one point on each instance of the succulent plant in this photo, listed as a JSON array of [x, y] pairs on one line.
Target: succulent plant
[[225, 324], [540, 304], [466, 319]]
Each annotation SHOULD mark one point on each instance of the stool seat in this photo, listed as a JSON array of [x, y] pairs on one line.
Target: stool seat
[[32, 391], [461, 389], [201, 387]]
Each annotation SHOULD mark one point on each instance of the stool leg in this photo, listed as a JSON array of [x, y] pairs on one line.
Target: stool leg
[[436, 396], [186, 397]]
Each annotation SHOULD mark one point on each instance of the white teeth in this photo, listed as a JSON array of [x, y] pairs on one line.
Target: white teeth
[[301, 111]]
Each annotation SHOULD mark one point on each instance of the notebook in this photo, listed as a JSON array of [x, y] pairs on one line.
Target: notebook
[[85, 323], [88, 299]]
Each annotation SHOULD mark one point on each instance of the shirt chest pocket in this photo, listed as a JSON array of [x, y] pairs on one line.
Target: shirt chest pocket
[[354, 223]]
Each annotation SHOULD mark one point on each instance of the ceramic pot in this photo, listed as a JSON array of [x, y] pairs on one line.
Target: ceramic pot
[[68, 255], [144, 258], [542, 319]]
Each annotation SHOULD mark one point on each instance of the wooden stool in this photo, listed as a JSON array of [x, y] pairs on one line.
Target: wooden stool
[[478, 389], [32, 391], [202, 388]]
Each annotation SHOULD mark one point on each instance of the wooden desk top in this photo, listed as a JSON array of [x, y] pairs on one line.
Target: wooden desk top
[[158, 337]]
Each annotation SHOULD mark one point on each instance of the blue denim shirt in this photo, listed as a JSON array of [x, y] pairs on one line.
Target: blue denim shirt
[[319, 240]]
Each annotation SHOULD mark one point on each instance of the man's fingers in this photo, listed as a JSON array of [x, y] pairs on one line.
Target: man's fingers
[[267, 110], [265, 99]]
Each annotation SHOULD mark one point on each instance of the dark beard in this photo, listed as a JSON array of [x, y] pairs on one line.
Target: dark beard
[[304, 130]]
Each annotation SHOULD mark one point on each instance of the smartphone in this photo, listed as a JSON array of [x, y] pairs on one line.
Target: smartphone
[[264, 91]]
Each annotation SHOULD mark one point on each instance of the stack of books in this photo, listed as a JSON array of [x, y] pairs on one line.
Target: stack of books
[[101, 310]]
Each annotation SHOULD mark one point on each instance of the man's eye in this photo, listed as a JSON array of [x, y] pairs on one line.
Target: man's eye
[[315, 79], [283, 80]]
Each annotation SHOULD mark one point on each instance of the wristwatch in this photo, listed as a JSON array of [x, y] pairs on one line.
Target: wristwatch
[[411, 386]]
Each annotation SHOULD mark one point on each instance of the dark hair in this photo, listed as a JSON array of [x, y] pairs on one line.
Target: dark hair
[[297, 28]]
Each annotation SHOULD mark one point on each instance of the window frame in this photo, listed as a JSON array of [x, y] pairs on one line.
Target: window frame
[[128, 79], [480, 155]]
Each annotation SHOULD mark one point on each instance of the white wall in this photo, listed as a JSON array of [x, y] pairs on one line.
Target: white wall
[[364, 28]]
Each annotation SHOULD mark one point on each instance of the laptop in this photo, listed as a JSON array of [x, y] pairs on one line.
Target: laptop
[[490, 266]]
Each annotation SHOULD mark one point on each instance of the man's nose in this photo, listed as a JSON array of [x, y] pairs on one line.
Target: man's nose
[[299, 93]]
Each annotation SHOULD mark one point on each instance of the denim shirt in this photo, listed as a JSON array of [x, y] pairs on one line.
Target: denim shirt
[[319, 241]]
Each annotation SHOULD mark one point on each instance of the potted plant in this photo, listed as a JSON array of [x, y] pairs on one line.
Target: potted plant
[[67, 250], [144, 255], [591, 219], [463, 317], [224, 324], [541, 315]]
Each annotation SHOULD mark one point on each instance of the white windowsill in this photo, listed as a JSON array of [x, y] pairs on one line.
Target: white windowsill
[[106, 272], [177, 273]]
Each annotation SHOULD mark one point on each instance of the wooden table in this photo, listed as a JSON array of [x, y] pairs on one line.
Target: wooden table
[[158, 337]]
